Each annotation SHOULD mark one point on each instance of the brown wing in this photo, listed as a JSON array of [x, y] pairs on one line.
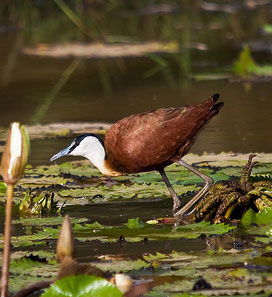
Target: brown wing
[[149, 140]]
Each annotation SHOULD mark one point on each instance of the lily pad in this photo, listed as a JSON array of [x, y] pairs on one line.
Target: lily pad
[[84, 286], [137, 191], [122, 266], [28, 267], [260, 218], [134, 223], [47, 221], [246, 66]]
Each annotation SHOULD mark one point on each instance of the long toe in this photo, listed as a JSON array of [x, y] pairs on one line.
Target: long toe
[[185, 219], [176, 205]]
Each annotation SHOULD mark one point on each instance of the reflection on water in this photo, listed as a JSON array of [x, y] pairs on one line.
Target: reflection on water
[[47, 90], [120, 212], [106, 90]]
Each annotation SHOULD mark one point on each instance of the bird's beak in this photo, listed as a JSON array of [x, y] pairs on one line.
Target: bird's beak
[[62, 153]]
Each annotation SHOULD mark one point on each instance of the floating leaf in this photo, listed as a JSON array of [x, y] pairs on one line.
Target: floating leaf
[[84, 286], [29, 267], [157, 256], [134, 223], [36, 181], [95, 225], [263, 70], [265, 240], [43, 170], [84, 170], [259, 218], [88, 227], [231, 171], [46, 221], [195, 230], [136, 191], [122, 265], [244, 64]]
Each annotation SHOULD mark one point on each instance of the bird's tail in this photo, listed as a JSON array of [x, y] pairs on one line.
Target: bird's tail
[[205, 111], [216, 107]]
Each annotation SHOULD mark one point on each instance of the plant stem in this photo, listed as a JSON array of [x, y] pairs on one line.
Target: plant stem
[[46, 104], [7, 235]]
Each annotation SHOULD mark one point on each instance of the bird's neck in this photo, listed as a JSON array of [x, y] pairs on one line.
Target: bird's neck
[[98, 157]]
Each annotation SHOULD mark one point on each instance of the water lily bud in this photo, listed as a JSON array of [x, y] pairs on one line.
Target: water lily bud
[[123, 282], [66, 244], [15, 154]]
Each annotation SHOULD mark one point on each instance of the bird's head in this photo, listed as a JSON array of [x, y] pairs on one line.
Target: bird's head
[[89, 146]]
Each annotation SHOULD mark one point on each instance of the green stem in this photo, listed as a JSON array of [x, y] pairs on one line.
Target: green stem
[[47, 102], [73, 17], [7, 236]]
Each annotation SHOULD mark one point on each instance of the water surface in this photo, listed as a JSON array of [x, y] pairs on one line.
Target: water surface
[[106, 90]]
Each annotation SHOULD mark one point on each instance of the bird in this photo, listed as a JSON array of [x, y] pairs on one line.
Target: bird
[[150, 141]]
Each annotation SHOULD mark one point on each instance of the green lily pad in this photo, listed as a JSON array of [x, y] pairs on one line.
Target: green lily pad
[[245, 63], [136, 191], [153, 232], [84, 286], [47, 221], [84, 170], [231, 171], [42, 170], [157, 256], [38, 181], [28, 267], [259, 218], [246, 66], [134, 223], [88, 227], [122, 265]]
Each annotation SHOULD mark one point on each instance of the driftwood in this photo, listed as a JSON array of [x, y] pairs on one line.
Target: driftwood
[[108, 50]]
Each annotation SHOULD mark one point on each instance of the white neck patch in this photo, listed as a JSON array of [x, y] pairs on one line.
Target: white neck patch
[[91, 148]]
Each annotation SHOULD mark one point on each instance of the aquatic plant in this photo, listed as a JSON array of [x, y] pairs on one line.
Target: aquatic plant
[[13, 163], [246, 66], [83, 285], [230, 199]]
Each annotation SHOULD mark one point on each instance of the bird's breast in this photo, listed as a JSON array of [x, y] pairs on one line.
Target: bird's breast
[[110, 170]]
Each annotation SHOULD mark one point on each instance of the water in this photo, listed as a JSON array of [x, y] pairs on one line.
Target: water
[[106, 90], [243, 125], [118, 214]]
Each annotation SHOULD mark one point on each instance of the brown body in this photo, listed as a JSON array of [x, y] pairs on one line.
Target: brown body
[[152, 140]]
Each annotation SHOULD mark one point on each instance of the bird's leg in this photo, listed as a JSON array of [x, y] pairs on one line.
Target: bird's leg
[[176, 202], [208, 182]]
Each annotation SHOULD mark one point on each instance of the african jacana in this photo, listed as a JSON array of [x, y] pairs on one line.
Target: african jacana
[[149, 141]]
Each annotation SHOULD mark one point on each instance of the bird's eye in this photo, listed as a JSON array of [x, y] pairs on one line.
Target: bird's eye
[[76, 143]]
